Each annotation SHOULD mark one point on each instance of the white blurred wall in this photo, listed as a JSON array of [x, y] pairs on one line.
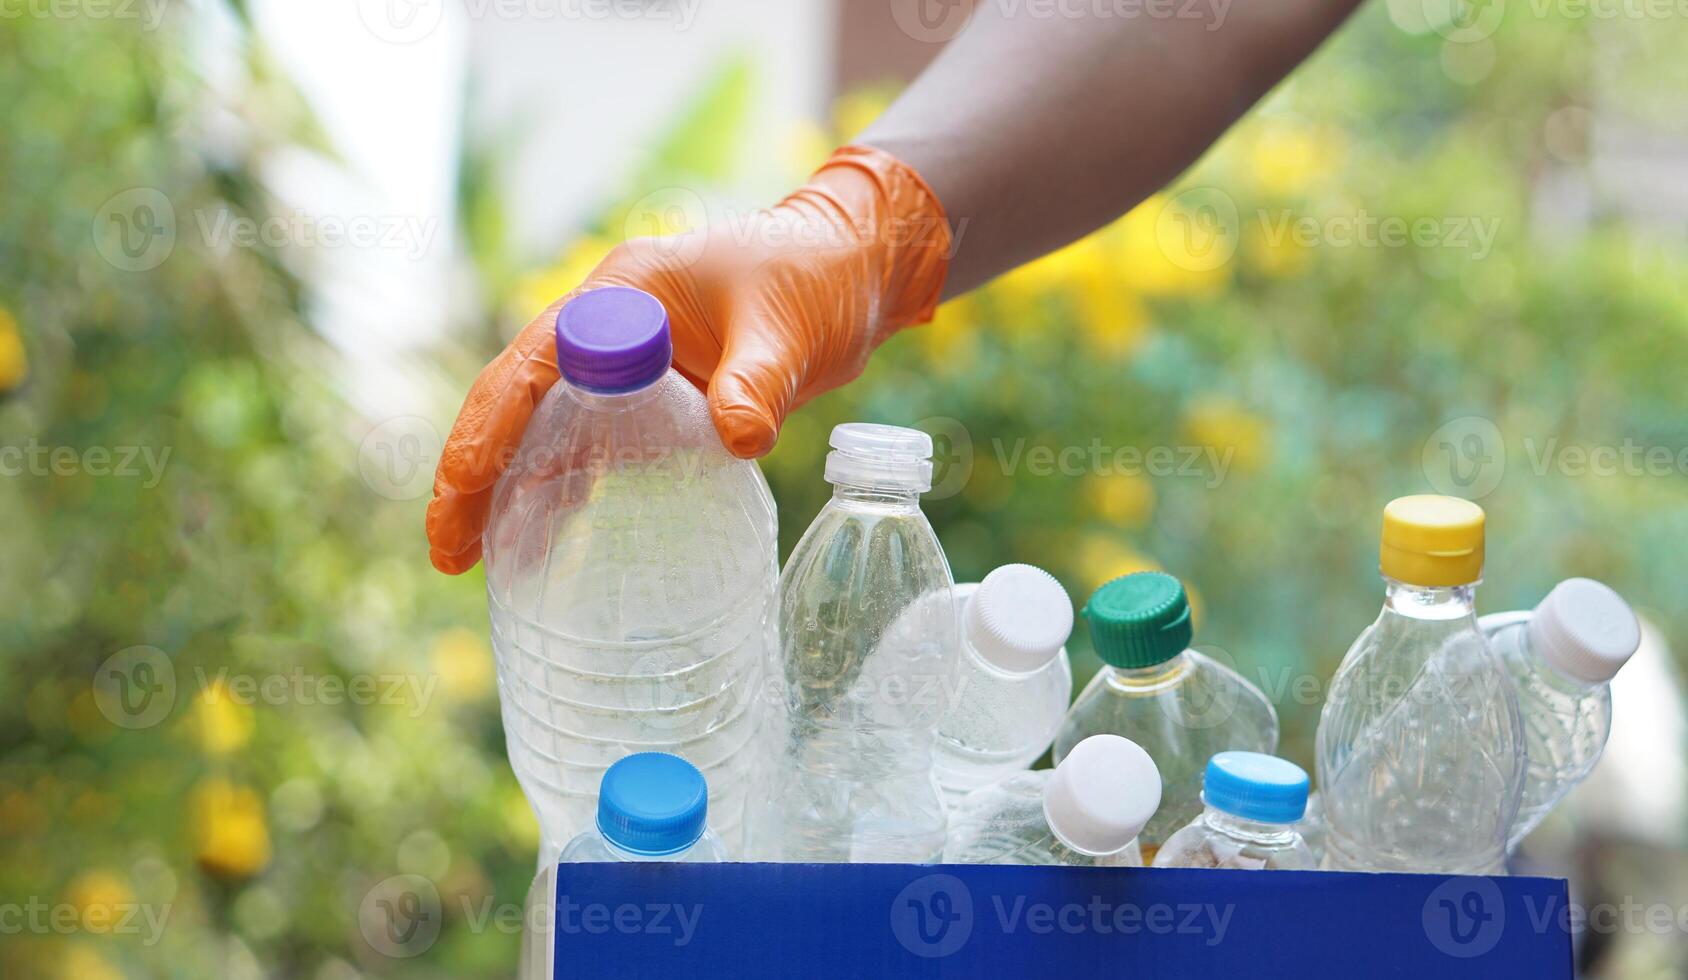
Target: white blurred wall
[[573, 92], [586, 98]]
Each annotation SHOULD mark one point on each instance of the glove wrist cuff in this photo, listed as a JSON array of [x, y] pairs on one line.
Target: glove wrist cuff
[[911, 229]]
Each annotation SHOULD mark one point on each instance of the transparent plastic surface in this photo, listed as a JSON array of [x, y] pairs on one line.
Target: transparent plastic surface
[[868, 661], [1000, 721], [591, 845], [1003, 823], [1566, 723], [1221, 840], [1312, 827], [631, 566], [1182, 712], [1420, 745]]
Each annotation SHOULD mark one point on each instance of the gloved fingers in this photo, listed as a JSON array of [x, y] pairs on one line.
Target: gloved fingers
[[484, 438], [755, 386]]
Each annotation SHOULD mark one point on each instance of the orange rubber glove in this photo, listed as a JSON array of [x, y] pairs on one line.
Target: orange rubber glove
[[770, 312]]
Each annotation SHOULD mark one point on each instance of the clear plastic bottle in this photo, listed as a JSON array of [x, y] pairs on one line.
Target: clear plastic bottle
[[1182, 706], [1253, 802], [1015, 680], [631, 563], [868, 633], [651, 807], [1420, 745], [1312, 827], [1086, 812], [1562, 659]]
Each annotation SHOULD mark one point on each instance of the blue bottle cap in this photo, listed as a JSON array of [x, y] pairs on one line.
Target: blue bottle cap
[[652, 803], [1256, 787]]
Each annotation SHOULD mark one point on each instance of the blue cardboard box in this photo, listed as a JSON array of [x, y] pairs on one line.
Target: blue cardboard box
[[893, 920]]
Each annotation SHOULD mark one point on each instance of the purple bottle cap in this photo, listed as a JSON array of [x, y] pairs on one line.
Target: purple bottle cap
[[613, 339]]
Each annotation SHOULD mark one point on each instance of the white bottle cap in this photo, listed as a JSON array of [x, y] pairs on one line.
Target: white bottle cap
[[1102, 794], [881, 456], [1584, 629], [1018, 618]]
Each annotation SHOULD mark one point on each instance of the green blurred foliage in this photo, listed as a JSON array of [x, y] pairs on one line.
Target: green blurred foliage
[[1317, 374]]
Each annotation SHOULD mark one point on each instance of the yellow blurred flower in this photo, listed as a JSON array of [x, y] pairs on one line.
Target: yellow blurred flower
[[1069, 267], [100, 898], [1156, 259], [521, 828], [1242, 438], [21, 815], [949, 342], [14, 364], [81, 963], [808, 148], [221, 724], [539, 290], [1124, 500], [853, 113], [1286, 157], [1274, 252], [463, 664], [233, 836], [1113, 319], [1102, 558]]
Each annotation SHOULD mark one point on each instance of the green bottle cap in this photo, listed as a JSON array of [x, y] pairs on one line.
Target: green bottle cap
[[1139, 620]]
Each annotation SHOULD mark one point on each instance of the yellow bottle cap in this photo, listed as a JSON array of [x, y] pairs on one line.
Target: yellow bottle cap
[[1431, 540]]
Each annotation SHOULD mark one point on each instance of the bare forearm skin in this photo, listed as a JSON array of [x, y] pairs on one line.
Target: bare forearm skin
[[1034, 131]]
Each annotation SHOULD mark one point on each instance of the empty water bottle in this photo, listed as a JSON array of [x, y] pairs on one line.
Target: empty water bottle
[[1015, 679], [651, 807], [631, 566], [1420, 748], [1087, 811], [1562, 659], [868, 634], [1253, 802], [1182, 706]]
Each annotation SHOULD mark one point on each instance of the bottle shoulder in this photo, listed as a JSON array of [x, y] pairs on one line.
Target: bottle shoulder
[[1201, 692]]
